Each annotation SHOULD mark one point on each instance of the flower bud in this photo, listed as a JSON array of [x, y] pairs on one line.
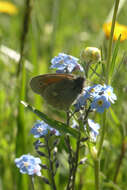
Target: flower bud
[[83, 161], [91, 55]]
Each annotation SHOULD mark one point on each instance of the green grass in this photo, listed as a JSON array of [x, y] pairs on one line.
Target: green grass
[[56, 26]]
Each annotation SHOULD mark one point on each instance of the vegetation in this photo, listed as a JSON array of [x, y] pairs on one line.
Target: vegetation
[[32, 33]]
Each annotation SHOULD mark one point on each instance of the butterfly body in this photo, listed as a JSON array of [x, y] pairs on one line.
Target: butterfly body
[[59, 90]]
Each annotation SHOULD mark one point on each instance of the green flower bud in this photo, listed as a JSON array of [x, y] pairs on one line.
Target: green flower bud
[[91, 55]]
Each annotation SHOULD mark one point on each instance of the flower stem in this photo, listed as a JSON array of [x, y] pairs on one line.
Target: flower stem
[[51, 170], [26, 24], [97, 158], [70, 162], [111, 39], [102, 135], [109, 53], [120, 159], [76, 163], [32, 182], [96, 170], [70, 158]]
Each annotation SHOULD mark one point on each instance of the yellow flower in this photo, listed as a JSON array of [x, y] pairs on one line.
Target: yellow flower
[[6, 7], [119, 29]]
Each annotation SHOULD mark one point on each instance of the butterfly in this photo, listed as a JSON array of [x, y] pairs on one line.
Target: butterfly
[[59, 90]]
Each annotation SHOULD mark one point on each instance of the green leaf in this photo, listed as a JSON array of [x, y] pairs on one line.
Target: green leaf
[[63, 128], [114, 117], [110, 184], [115, 53]]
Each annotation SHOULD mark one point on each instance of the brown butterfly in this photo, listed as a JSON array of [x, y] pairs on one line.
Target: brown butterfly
[[59, 90]]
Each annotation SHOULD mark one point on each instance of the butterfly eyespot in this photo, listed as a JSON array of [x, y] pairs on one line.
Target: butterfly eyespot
[[55, 94], [40, 83]]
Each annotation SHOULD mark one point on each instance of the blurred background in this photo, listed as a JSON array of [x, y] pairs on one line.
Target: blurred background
[[54, 26]]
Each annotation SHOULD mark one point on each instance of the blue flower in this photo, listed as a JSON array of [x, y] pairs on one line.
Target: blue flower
[[54, 131], [89, 92], [100, 96], [108, 92], [74, 124], [99, 90], [29, 164], [66, 63], [94, 129], [82, 99], [100, 103], [41, 129], [96, 90]]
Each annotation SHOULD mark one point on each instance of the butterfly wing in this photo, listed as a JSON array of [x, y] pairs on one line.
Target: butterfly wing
[[41, 82]]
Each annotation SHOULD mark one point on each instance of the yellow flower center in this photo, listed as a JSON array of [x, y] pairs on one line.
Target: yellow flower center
[[100, 102], [61, 62], [92, 90], [39, 129], [26, 164], [109, 93]]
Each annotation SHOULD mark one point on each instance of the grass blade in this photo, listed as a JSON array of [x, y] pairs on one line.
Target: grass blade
[[63, 128], [115, 53]]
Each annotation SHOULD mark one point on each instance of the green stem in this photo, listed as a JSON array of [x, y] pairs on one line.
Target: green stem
[[109, 53], [111, 39], [51, 169], [32, 182], [96, 170], [55, 22], [70, 162], [21, 84], [102, 135], [120, 159], [76, 163], [70, 158], [97, 158], [26, 23]]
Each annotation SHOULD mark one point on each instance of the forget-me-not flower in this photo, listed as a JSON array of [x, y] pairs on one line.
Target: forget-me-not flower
[[66, 63], [29, 164], [74, 124], [100, 96], [110, 95], [100, 103], [96, 90], [41, 129], [94, 129], [82, 99]]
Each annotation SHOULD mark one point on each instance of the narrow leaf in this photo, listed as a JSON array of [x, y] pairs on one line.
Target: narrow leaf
[[61, 127], [114, 116], [115, 53]]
